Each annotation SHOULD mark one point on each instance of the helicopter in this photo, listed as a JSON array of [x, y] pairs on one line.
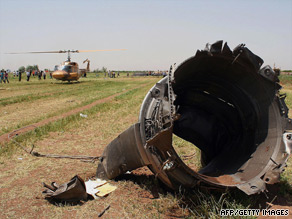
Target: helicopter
[[68, 70]]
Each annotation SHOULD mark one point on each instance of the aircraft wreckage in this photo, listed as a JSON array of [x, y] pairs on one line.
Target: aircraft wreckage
[[225, 104]]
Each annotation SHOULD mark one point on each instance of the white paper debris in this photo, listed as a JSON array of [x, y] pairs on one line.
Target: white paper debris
[[83, 115], [92, 185]]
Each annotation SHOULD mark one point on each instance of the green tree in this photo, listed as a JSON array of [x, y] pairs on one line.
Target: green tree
[[32, 68], [21, 69], [104, 69], [29, 68]]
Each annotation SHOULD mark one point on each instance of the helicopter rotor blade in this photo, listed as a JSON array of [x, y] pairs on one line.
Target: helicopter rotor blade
[[67, 51], [100, 50], [60, 51]]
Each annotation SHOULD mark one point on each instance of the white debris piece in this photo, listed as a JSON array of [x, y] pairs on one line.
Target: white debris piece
[[91, 186], [83, 115]]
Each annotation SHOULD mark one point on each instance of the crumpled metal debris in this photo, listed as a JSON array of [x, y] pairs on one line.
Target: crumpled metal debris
[[74, 190], [78, 190]]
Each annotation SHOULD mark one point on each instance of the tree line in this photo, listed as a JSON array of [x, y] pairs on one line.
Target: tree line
[[30, 68]]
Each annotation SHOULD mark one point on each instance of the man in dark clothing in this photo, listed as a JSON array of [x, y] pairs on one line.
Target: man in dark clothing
[[19, 75], [40, 75], [6, 76]]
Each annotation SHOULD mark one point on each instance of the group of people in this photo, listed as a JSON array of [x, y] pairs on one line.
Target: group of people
[[39, 74], [18, 74], [4, 76], [112, 74]]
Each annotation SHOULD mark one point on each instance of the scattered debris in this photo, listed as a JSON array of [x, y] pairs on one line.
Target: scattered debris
[[105, 189], [74, 190], [20, 158], [91, 186], [99, 188], [83, 115], [78, 190], [79, 157], [104, 211], [37, 154]]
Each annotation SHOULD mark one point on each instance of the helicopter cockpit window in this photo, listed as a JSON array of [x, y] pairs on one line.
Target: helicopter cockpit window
[[67, 68]]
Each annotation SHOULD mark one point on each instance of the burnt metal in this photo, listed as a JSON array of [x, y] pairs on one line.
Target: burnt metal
[[74, 190], [122, 154], [224, 103]]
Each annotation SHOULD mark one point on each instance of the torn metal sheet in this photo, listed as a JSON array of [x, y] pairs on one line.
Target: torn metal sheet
[[74, 190], [224, 103]]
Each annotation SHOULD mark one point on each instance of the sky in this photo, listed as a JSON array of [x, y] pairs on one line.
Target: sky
[[156, 33]]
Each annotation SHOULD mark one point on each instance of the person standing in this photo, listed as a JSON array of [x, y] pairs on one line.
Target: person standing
[[40, 75], [27, 75], [44, 74], [163, 74], [19, 75], [6, 77], [2, 76]]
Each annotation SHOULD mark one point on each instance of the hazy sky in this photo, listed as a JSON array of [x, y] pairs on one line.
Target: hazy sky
[[155, 33]]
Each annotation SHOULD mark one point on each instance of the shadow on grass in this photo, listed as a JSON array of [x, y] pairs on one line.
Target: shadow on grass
[[206, 203], [59, 203], [147, 182]]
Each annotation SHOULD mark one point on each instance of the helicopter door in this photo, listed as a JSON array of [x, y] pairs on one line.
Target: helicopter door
[[75, 69]]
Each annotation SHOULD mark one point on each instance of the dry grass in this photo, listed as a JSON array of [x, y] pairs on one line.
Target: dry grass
[[139, 195], [45, 99], [21, 179]]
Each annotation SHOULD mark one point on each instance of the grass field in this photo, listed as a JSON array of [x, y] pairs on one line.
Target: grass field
[[140, 194]]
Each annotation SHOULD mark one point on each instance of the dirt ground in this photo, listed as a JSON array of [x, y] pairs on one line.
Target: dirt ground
[[22, 175], [138, 195]]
